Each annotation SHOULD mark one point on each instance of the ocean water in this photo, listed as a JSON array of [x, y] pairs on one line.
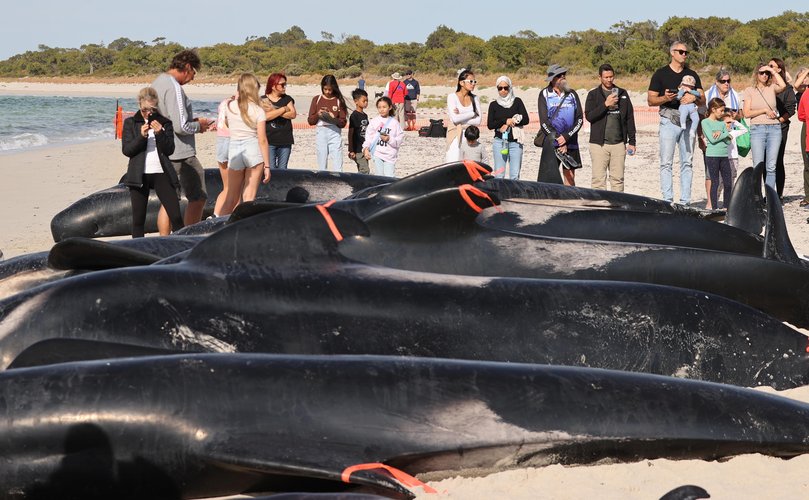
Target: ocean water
[[28, 122]]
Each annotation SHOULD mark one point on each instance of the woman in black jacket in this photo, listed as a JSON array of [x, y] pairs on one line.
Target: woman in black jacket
[[148, 140]]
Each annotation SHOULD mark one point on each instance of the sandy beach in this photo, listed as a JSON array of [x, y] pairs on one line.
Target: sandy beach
[[39, 183]]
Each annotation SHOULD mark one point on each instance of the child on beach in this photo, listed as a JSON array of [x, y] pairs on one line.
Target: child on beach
[[385, 137], [687, 86], [471, 149], [328, 111], [735, 129], [357, 124], [717, 137]]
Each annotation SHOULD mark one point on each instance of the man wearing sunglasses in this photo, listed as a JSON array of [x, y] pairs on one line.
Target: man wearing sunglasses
[[663, 93]]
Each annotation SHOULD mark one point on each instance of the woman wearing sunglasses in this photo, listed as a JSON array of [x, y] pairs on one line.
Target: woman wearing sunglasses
[[279, 109], [507, 115], [463, 108], [148, 140], [760, 109]]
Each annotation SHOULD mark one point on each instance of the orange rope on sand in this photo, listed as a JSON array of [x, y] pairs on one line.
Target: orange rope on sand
[[401, 476]]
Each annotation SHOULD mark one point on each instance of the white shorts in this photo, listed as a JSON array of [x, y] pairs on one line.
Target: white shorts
[[222, 146], [244, 153]]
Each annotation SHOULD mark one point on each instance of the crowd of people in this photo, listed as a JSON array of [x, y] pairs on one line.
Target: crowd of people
[[255, 133]]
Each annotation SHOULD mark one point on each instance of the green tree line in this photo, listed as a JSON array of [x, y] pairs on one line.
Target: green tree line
[[632, 47]]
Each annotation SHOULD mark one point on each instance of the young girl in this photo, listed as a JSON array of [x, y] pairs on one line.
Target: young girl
[[248, 154], [383, 137], [328, 111], [280, 111], [717, 137]]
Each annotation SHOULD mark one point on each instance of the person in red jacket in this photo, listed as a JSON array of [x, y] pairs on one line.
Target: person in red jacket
[[397, 90]]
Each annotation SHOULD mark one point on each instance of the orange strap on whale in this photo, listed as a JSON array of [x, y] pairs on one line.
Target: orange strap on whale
[[475, 170], [468, 188], [329, 221], [401, 476]]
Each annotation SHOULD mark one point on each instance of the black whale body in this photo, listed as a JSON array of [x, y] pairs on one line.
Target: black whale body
[[439, 232], [109, 212], [277, 282], [204, 425]]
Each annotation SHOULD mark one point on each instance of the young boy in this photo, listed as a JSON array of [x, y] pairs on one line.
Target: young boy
[[357, 124], [471, 149]]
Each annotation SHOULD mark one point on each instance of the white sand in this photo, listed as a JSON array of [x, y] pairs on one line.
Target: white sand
[[38, 184]]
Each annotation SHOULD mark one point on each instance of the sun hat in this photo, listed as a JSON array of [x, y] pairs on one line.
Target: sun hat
[[689, 80], [396, 76], [555, 70]]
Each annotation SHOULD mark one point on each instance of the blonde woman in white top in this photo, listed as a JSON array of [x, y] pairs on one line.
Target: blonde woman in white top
[[463, 108], [249, 152]]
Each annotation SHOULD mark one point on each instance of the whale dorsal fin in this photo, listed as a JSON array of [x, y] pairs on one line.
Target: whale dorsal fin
[[291, 235], [777, 245], [746, 208], [447, 175], [449, 210]]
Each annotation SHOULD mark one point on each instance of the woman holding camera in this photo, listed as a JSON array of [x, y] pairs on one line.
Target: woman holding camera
[[760, 109], [148, 140]]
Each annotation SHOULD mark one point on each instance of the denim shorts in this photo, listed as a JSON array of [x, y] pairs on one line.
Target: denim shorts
[[222, 145], [244, 153]]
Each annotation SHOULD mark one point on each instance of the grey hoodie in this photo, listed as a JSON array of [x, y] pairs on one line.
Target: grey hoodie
[[175, 106]]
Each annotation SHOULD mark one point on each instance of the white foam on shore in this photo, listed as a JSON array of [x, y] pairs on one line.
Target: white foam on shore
[[22, 141]]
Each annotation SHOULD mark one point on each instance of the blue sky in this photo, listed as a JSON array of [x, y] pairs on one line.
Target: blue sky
[[29, 23]]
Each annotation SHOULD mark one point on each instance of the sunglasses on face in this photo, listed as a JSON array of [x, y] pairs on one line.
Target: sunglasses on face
[[471, 82], [724, 81], [503, 88], [681, 52], [764, 73], [282, 84]]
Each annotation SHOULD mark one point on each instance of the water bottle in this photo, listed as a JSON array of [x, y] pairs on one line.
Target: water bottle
[[504, 151]]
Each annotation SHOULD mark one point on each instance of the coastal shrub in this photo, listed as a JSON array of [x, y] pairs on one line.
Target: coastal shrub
[[350, 72], [293, 70]]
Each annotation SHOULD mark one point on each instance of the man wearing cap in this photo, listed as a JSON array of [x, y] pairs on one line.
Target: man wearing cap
[[411, 99], [612, 130], [397, 90], [663, 93], [560, 119]]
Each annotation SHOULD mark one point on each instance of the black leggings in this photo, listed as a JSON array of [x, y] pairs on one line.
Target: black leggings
[[165, 193], [717, 166]]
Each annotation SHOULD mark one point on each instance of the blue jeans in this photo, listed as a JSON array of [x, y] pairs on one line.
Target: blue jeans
[[329, 142], [764, 143], [514, 158], [672, 135], [279, 156], [382, 167]]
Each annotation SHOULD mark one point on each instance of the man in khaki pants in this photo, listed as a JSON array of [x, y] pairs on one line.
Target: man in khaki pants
[[612, 130]]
